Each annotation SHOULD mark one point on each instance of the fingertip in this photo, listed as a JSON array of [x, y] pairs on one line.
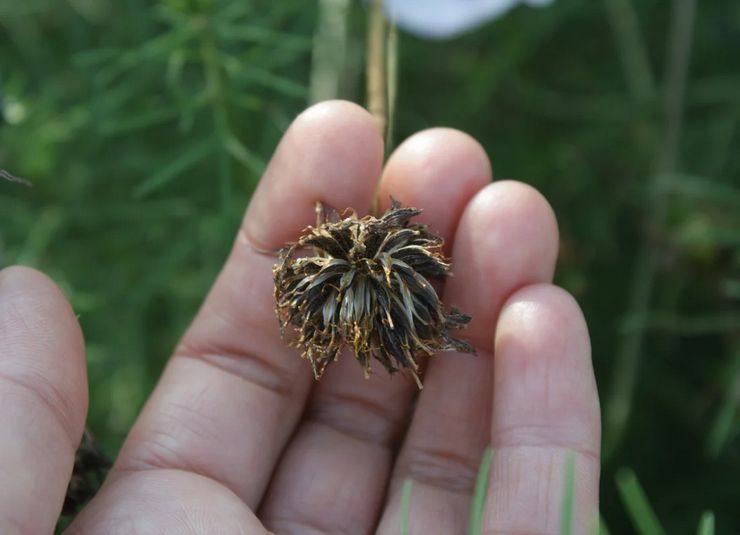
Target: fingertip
[[543, 354], [15, 280], [545, 411], [41, 322], [507, 239], [43, 398], [438, 170], [347, 127], [543, 313], [333, 153], [449, 158], [443, 151], [511, 200]]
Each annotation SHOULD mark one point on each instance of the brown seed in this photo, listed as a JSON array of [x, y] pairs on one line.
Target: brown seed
[[367, 286]]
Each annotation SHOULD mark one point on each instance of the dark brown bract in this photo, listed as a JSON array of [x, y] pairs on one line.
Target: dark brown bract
[[367, 286]]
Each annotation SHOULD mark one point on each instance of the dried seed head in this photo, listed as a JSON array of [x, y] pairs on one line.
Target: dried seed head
[[91, 466], [367, 286]]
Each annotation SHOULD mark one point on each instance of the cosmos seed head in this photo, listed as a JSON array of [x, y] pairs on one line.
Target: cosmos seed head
[[367, 286]]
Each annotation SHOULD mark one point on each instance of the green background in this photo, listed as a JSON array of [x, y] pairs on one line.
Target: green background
[[144, 127]]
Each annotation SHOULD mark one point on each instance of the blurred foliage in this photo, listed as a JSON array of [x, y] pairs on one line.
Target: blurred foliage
[[144, 127]]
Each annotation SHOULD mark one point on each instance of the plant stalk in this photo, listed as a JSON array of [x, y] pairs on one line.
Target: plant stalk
[[619, 402]]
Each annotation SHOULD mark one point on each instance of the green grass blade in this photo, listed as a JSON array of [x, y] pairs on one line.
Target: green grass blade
[[635, 501], [481, 488], [189, 158], [144, 120], [566, 525], [722, 429], [406, 507], [602, 528], [245, 156], [706, 525]]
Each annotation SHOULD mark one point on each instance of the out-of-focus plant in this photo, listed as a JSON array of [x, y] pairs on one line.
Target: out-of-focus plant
[[144, 127]]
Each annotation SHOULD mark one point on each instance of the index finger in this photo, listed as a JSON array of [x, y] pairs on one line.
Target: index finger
[[233, 392], [43, 400]]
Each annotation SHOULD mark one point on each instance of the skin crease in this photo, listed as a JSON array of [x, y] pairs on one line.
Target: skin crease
[[237, 437]]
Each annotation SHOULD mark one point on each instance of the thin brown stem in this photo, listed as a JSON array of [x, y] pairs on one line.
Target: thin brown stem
[[376, 65]]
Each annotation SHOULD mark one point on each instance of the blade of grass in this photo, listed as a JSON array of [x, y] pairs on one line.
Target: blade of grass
[[189, 158], [721, 430], [706, 524], [481, 488], [632, 48], [618, 406], [147, 119], [566, 525], [406, 507], [245, 156], [602, 529], [635, 501]]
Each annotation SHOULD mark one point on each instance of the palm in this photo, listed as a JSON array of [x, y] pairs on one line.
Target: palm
[[237, 437]]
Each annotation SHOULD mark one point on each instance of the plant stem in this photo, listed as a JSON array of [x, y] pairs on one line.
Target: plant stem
[[392, 78], [376, 71], [329, 50], [632, 49], [619, 403], [214, 83]]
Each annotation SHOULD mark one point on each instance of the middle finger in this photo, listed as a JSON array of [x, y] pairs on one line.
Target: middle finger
[[507, 238], [333, 475]]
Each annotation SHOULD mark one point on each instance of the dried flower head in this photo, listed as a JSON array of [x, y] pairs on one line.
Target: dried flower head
[[367, 286], [91, 466]]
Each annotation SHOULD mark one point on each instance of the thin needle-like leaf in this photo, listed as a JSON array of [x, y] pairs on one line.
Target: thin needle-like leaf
[[406, 507], [187, 160], [566, 525], [706, 524], [635, 501], [481, 490]]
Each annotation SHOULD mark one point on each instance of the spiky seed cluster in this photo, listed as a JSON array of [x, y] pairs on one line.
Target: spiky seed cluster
[[367, 286], [90, 468]]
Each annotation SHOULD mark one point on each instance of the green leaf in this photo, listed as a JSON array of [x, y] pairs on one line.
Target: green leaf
[[406, 507], [189, 158], [566, 525], [702, 188], [723, 426], [263, 35], [264, 78], [481, 489], [147, 119], [245, 156], [635, 501], [706, 524]]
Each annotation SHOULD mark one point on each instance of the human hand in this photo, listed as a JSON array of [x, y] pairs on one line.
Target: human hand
[[238, 438]]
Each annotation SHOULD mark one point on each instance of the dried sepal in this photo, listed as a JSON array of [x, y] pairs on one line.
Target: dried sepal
[[366, 286], [90, 467]]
